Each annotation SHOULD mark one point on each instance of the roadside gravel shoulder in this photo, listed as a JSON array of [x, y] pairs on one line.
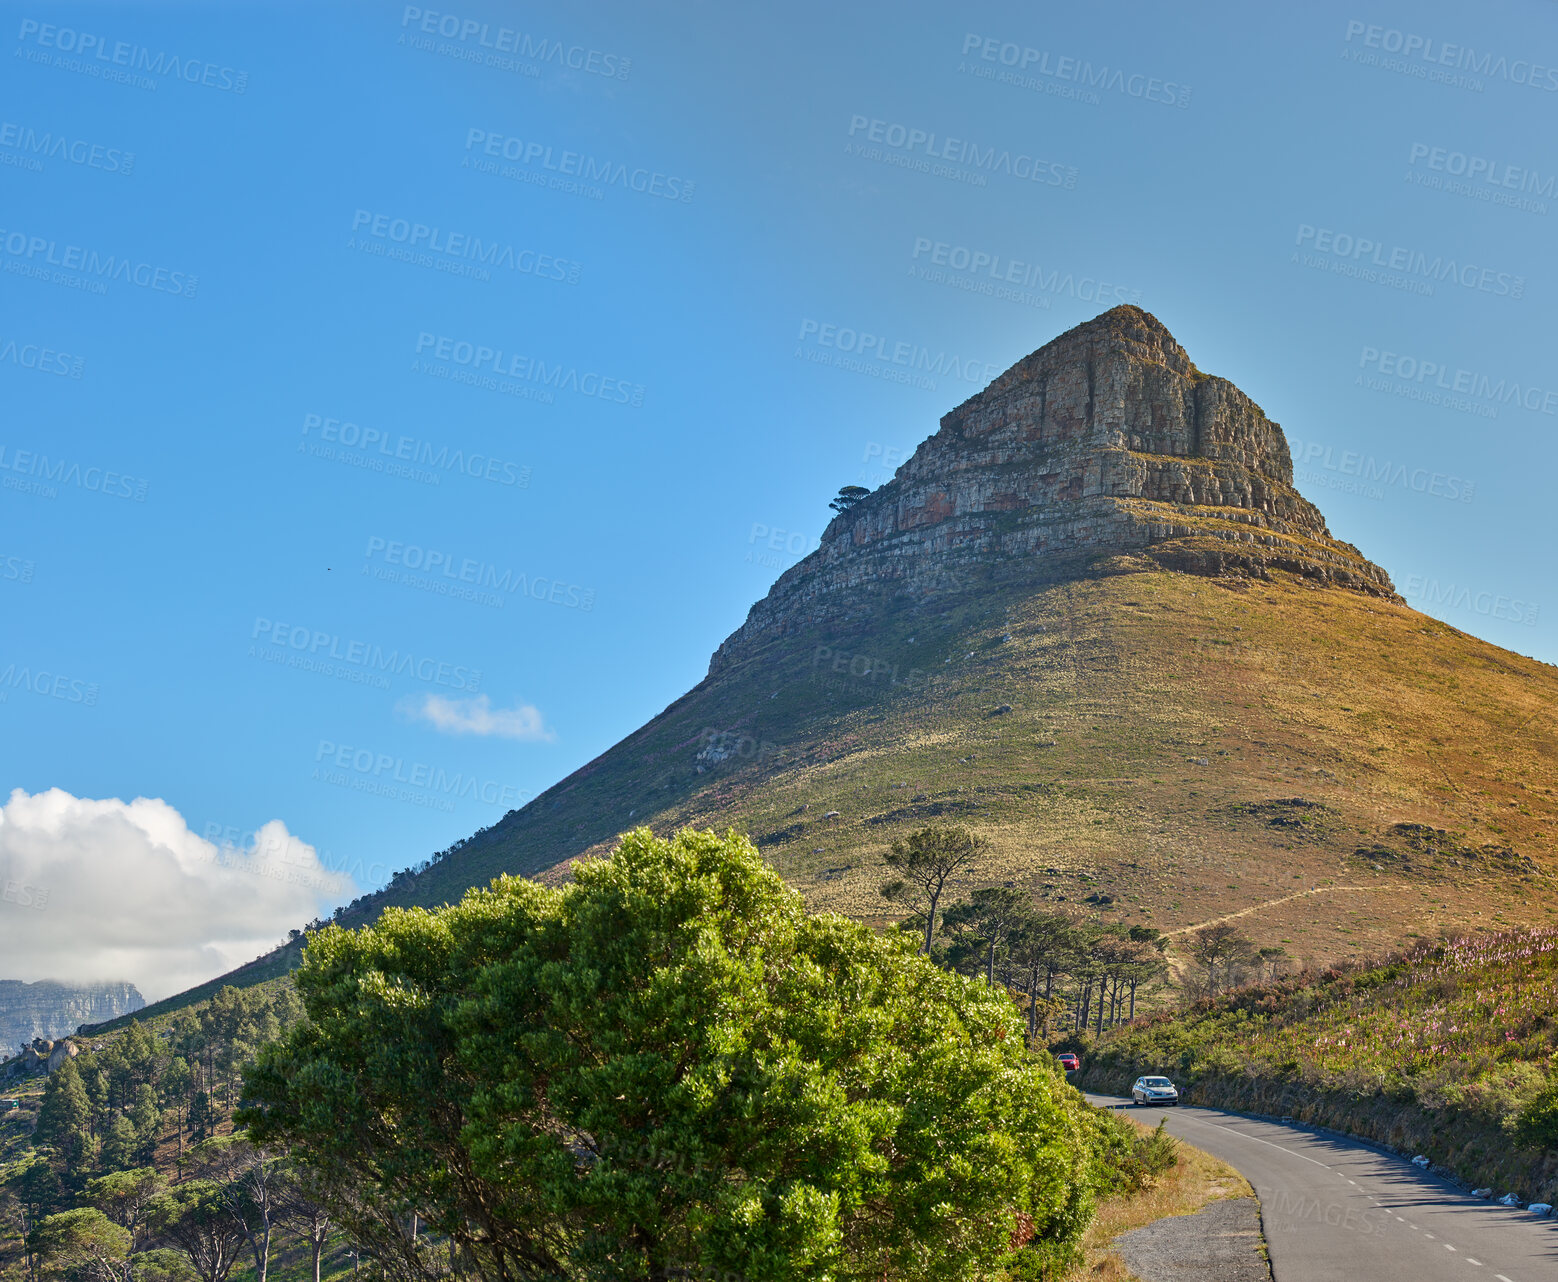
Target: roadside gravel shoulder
[[1221, 1243], [1199, 1212]]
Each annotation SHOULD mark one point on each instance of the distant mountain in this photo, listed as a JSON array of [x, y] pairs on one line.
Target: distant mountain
[[48, 1009]]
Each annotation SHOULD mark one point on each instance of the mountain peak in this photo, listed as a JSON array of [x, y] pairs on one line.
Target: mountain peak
[[1104, 451]]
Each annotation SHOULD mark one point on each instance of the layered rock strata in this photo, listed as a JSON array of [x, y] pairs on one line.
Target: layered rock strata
[[1106, 449]]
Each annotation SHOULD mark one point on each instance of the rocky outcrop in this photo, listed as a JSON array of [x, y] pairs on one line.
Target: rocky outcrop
[[1105, 450], [43, 1056], [49, 1010]]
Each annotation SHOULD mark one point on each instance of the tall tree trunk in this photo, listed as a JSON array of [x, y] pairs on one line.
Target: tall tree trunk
[[1033, 1001], [990, 965], [1133, 1001], [930, 923]]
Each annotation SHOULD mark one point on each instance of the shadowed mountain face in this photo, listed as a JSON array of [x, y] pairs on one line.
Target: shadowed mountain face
[[1092, 619]]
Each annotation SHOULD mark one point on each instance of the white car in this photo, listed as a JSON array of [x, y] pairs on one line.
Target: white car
[[1154, 1090]]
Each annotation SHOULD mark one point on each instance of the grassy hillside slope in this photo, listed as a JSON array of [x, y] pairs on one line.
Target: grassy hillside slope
[[1158, 747], [273, 965], [1449, 1050]]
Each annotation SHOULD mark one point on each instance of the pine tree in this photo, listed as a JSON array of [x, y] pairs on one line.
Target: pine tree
[[147, 1119], [119, 1144], [65, 1119], [203, 1117], [138, 1053]]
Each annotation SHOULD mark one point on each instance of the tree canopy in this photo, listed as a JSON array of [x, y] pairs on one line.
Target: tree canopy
[[83, 1243], [1222, 945], [667, 1067], [847, 497], [924, 863]]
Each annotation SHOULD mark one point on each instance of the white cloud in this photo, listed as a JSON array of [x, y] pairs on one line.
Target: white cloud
[[478, 716], [100, 890]]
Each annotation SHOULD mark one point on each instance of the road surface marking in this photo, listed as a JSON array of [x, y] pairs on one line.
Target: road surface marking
[[1448, 1247], [1469, 1260], [1501, 1277], [1228, 1130]]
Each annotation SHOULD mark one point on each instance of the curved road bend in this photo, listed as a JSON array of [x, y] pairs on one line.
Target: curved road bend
[[1338, 1210]]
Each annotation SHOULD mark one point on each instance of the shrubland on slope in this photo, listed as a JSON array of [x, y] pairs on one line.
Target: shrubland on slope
[[1092, 620], [1447, 1049]]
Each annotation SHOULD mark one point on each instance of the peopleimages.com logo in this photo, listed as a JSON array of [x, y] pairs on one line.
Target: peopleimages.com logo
[[383, 774], [1398, 265], [455, 252], [445, 574], [44, 360], [44, 475], [411, 452], [896, 360], [1437, 382], [1424, 57], [587, 169], [1481, 177], [983, 271], [486, 365], [33, 146], [321, 651], [51, 685], [115, 60], [88, 269], [490, 44], [1019, 60], [1492, 605], [923, 147], [25, 896], [1353, 472]]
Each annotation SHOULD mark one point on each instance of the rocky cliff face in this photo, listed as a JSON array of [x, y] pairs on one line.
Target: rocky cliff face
[[1104, 450], [51, 1010]]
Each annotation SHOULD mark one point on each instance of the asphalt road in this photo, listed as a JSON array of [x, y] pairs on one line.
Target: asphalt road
[[1334, 1209]]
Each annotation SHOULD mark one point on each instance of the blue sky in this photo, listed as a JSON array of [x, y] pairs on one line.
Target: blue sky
[[282, 384]]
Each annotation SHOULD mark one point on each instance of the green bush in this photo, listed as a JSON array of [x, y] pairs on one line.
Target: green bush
[[1124, 1160], [666, 1066], [1536, 1124]]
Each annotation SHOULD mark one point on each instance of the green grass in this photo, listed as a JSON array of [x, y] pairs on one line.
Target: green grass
[[1119, 686]]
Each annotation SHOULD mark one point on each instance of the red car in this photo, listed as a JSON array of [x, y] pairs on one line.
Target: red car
[[1069, 1062]]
